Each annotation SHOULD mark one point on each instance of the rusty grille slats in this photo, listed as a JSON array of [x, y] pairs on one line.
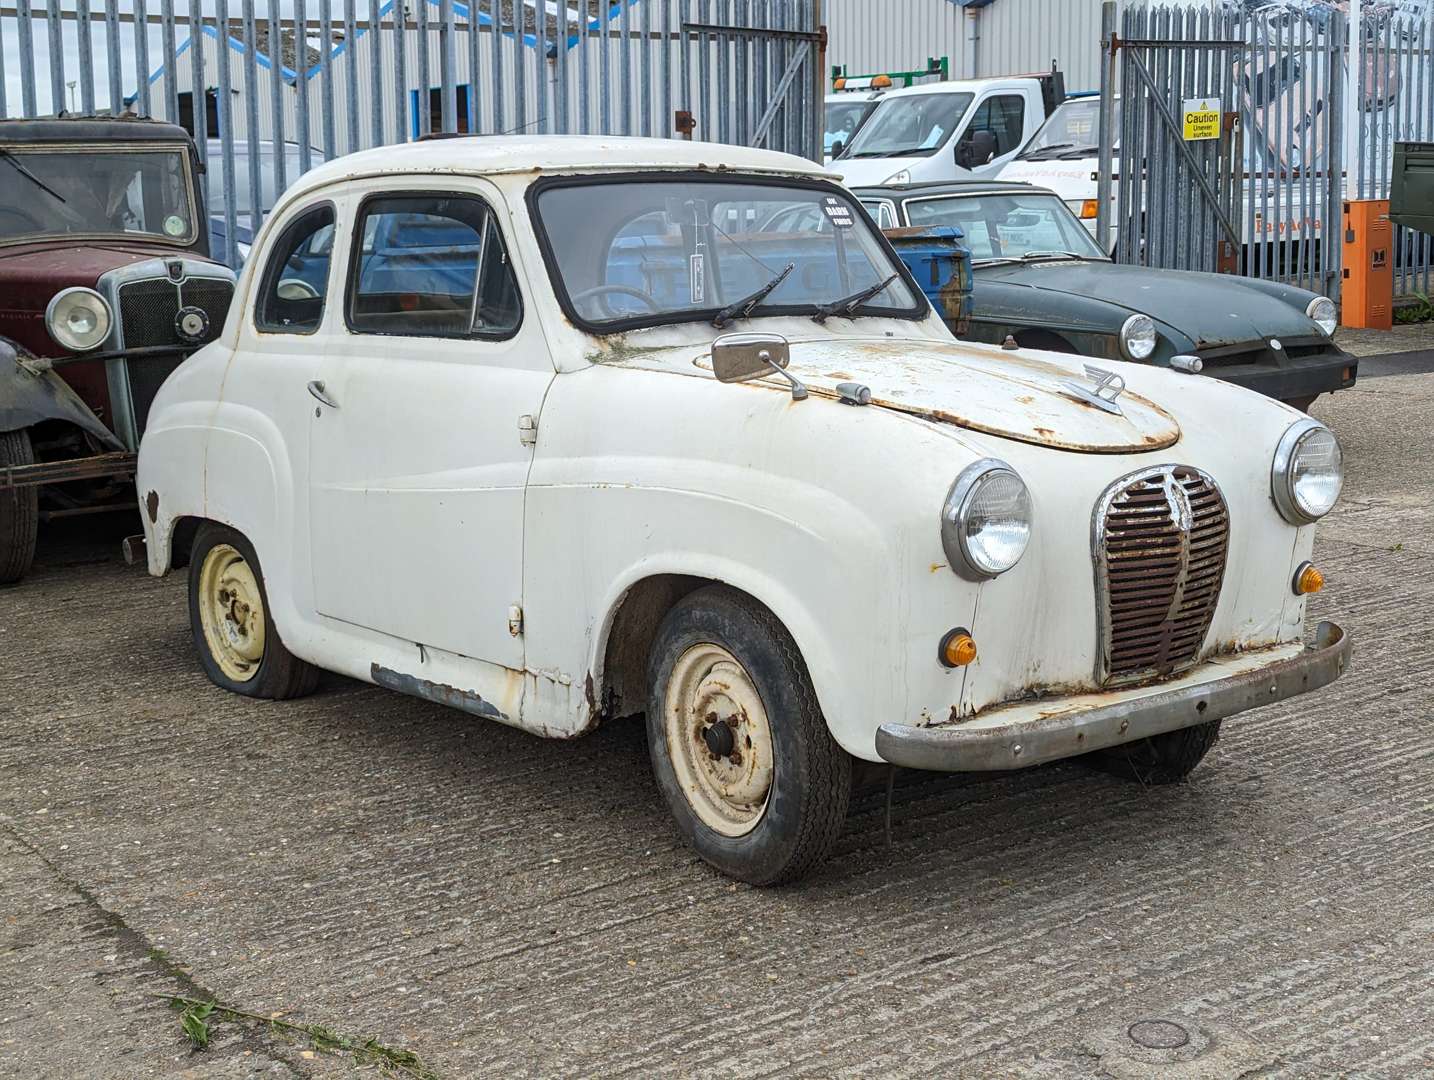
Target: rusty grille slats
[[1161, 542]]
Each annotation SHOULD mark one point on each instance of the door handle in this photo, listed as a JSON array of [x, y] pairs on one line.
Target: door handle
[[316, 389]]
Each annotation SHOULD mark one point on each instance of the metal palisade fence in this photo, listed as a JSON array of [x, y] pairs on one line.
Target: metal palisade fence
[[1264, 197], [269, 88]]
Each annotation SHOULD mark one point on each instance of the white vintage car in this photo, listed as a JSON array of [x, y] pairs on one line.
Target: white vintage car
[[554, 430]]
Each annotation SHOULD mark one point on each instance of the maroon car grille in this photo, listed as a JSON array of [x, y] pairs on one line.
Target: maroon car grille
[[148, 309], [1161, 540]]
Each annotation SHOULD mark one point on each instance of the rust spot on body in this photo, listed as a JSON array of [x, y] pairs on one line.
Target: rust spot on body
[[151, 506]]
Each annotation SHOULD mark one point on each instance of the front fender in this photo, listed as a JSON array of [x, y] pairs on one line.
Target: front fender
[[31, 392]]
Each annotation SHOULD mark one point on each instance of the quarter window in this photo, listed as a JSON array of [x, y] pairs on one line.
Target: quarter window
[[296, 280], [431, 266]]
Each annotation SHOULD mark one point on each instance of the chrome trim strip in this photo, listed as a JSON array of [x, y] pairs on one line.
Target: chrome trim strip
[[1021, 745]]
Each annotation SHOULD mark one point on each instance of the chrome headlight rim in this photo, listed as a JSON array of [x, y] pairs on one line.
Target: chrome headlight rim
[[1323, 313], [1127, 331], [104, 321], [1282, 486], [959, 500]]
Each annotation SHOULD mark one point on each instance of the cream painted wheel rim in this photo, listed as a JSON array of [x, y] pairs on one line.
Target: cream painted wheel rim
[[718, 739], [231, 611]]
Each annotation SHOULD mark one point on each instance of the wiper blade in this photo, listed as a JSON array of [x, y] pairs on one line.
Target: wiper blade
[[740, 309], [1042, 152], [848, 304], [28, 175], [1052, 255]]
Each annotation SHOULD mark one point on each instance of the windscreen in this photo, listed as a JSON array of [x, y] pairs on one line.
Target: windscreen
[[842, 120], [909, 125], [85, 191], [644, 251], [1072, 131], [1009, 226]]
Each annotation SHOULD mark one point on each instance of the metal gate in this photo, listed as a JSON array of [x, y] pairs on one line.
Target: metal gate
[[1170, 184], [270, 88]]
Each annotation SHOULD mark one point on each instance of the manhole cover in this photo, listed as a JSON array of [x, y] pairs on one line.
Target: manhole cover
[[1158, 1034]]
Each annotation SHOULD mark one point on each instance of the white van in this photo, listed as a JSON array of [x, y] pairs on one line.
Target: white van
[[961, 130]]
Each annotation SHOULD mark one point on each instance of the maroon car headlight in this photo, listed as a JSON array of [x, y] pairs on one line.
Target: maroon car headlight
[[78, 319]]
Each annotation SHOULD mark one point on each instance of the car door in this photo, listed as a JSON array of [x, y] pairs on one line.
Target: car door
[[419, 457], [1004, 117]]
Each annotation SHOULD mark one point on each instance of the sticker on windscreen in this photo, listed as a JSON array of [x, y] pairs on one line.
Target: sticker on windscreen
[[174, 225], [838, 212], [699, 280]]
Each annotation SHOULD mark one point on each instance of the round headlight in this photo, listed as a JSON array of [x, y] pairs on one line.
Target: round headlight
[[1137, 337], [78, 319], [1324, 313], [986, 522], [1308, 472]]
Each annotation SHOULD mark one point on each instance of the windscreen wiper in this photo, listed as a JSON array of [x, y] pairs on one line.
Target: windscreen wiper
[[1042, 152], [28, 175], [848, 304], [740, 309], [1054, 255]]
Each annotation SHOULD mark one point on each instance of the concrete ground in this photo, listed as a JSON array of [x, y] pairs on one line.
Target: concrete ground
[[505, 906]]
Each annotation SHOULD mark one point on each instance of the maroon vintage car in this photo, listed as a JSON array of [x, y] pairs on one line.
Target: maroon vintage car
[[105, 286]]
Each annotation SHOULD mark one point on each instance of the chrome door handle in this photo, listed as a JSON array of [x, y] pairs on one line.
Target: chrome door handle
[[316, 388]]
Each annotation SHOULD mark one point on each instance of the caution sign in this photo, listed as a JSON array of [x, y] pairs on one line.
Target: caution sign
[[1202, 119]]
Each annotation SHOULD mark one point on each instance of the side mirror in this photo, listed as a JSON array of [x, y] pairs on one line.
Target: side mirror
[[837, 148], [743, 357], [976, 149]]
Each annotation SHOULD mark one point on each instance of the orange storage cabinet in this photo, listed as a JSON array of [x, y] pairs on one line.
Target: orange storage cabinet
[[1367, 297]]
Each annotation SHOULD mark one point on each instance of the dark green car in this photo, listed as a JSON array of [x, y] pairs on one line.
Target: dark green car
[[1041, 279]]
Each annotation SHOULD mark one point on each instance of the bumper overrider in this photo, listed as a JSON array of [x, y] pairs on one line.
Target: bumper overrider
[[1019, 736]]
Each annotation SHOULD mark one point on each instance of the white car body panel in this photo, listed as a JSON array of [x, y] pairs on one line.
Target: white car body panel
[[645, 465]]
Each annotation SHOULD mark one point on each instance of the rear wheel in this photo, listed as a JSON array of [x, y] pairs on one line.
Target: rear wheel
[[1160, 759], [19, 511], [739, 745], [233, 629]]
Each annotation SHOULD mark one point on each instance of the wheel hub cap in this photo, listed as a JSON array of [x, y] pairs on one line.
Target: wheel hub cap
[[719, 739], [231, 612]]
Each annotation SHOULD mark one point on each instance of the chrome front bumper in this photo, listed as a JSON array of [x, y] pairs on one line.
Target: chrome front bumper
[[984, 743]]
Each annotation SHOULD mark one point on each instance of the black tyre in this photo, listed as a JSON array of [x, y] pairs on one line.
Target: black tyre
[[233, 628], [19, 511], [739, 745], [1160, 759]]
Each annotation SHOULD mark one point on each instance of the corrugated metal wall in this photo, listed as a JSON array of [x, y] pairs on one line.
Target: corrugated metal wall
[[1012, 37]]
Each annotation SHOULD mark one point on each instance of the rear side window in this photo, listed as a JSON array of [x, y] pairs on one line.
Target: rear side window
[[296, 279], [431, 266]]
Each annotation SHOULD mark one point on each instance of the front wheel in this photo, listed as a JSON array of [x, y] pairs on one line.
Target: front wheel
[[19, 511], [739, 745], [1159, 759], [234, 633]]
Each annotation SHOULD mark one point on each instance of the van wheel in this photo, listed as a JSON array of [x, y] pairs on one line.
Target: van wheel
[[1159, 759], [234, 632], [19, 511], [739, 745]]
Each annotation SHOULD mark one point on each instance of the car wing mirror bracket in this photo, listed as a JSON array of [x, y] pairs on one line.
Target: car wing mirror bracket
[[744, 357]]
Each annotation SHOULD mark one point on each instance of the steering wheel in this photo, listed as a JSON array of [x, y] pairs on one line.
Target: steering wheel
[[295, 289], [30, 222], [624, 290]]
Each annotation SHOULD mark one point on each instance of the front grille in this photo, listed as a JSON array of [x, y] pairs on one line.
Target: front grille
[[1161, 540], [147, 312], [148, 309]]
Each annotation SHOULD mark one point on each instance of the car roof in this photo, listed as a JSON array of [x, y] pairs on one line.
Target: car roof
[[956, 86], [66, 129], [480, 155], [948, 187]]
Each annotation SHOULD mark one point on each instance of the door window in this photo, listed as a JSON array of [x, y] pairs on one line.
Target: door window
[[431, 266], [296, 279], [1004, 117]]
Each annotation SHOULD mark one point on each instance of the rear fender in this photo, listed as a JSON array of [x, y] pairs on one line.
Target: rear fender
[[31, 392]]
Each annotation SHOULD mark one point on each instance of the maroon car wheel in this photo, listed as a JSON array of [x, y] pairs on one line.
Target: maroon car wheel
[[19, 511]]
